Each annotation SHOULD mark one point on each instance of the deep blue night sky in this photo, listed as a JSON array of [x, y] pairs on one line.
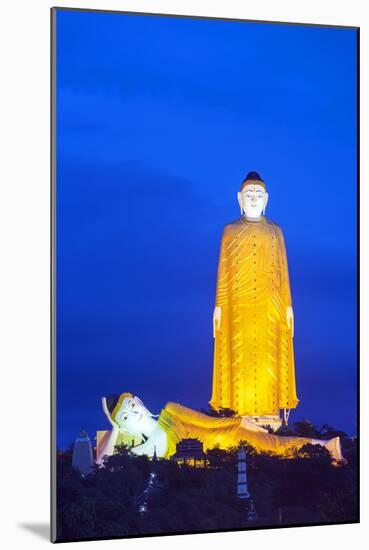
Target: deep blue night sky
[[158, 121]]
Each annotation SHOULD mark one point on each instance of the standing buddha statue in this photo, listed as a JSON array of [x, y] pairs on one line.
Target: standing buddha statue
[[253, 323]]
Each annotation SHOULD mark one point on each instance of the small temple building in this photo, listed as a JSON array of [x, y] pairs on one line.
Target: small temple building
[[190, 452]]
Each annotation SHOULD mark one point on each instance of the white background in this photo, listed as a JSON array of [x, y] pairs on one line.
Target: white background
[[24, 267]]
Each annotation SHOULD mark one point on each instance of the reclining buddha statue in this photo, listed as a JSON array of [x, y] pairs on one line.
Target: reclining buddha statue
[[159, 434]]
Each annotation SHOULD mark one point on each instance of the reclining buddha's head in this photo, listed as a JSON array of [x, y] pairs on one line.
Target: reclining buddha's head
[[130, 414]]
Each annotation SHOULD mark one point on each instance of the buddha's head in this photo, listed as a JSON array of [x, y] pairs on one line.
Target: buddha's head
[[252, 196], [131, 415]]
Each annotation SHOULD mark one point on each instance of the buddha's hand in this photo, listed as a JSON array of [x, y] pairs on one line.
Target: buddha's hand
[[290, 319], [217, 315], [108, 415]]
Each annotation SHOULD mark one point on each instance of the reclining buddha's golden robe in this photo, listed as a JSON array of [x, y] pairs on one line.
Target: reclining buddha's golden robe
[[181, 422], [253, 372]]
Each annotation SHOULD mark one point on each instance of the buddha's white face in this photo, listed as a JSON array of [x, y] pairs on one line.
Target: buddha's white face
[[133, 417], [253, 200]]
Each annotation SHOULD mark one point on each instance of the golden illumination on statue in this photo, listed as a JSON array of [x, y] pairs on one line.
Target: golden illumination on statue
[[147, 434], [254, 371]]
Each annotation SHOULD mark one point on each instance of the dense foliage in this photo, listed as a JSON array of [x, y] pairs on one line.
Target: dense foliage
[[304, 489]]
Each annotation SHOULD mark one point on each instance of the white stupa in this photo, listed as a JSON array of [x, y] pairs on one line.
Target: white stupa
[[242, 489]]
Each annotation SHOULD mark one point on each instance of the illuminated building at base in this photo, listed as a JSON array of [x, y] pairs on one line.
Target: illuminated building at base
[[190, 452]]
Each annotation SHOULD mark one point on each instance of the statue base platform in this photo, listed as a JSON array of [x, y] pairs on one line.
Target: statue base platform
[[274, 422]]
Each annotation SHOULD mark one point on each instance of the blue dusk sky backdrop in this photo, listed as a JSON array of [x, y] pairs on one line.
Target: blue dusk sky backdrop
[[158, 121]]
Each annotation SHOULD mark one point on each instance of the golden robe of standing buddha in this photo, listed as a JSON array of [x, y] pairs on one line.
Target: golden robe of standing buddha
[[254, 372]]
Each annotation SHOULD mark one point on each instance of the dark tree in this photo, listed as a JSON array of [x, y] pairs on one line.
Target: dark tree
[[305, 428]]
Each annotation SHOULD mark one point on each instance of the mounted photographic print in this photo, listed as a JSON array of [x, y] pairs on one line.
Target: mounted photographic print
[[204, 274]]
